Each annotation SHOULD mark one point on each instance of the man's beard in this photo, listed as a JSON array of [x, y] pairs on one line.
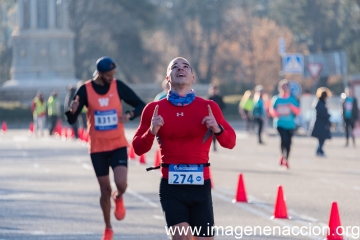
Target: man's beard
[[106, 83]]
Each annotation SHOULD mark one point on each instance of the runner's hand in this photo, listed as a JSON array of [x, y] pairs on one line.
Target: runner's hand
[[124, 118], [74, 104], [211, 122], [156, 122]]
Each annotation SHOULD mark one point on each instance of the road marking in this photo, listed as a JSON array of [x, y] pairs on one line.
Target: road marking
[[158, 217], [87, 166], [142, 198], [248, 207], [20, 139]]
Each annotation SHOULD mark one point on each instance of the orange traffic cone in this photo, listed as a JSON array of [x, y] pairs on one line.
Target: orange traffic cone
[[31, 128], [280, 205], [3, 127], [157, 158], [241, 192], [335, 229], [142, 159], [85, 136], [64, 133], [58, 128], [81, 133], [131, 152], [211, 178]]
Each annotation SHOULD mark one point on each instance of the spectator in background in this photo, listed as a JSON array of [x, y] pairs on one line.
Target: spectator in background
[[38, 109], [259, 112], [321, 126], [68, 98], [214, 94], [53, 106], [165, 86], [246, 107], [350, 114], [82, 116]]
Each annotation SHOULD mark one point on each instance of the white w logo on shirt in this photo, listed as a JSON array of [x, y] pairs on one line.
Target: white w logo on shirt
[[103, 102]]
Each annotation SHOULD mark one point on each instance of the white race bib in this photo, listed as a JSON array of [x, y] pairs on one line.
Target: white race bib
[[186, 174], [106, 120], [283, 109]]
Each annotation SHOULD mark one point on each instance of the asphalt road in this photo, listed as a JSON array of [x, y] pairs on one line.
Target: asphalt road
[[48, 190]]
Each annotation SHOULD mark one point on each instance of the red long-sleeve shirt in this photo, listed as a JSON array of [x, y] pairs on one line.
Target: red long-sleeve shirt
[[181, 137]]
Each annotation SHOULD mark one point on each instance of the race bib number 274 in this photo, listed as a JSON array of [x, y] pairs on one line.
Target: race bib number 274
[[184, 174]]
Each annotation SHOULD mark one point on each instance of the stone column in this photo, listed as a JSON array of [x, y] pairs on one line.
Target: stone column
[[52, 13], [33, 14], [65, 14], [20, 13]]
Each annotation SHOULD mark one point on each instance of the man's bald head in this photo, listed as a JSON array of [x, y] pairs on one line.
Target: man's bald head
[[172, 62]]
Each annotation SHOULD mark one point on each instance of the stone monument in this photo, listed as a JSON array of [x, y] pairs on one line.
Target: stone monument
[[43, 54]]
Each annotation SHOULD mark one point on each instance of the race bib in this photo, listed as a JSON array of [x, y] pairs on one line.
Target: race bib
[[283, 109], [106, 120], [348, 106], [186, 174]]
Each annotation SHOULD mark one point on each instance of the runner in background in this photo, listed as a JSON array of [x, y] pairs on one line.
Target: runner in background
[[246, 106], [259, 112], [350, 114], [284, 108], [165, 86], [108, 146], [38, 109], [54, 110], [214, 95]]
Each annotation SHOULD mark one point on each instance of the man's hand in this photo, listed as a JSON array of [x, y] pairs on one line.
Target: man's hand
[[156, 122], [74, 104], [211, 122], [124, 118]]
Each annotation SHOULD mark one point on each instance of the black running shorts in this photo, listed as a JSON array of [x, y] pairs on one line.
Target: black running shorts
[[188, 203], [103, 160]]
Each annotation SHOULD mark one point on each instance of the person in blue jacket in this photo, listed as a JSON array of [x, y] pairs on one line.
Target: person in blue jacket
[[284, 107]]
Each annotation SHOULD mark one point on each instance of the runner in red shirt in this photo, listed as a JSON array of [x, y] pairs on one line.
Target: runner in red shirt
[[184, 125]]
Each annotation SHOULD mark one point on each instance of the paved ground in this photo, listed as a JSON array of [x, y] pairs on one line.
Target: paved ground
[[48, 189]]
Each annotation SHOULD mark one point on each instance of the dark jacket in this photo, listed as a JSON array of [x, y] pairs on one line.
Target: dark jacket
[[219, 100], [354, 111], [321, 125]]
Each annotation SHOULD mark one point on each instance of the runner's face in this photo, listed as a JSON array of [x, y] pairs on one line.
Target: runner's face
[[180, 73], [285, 88], [107, 77]]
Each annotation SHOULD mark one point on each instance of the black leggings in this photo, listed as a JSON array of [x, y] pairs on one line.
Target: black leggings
[[285, 135], [260, 124], [349, 126]]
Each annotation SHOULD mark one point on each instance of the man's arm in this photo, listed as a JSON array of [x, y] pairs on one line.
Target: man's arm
[[72, 117], [227, 136], [143, 138], [129, 96]]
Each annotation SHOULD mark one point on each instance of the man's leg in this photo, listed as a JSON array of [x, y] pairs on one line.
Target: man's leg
[[101, 166], [118, 162], [347, 126], [352, 125], [105, 189], [120, 177]]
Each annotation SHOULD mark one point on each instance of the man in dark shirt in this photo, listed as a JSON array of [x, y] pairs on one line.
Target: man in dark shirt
[[214, 93], [108, 146]]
